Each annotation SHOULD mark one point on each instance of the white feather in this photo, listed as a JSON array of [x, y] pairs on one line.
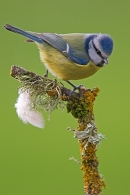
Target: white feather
[[24, 111]]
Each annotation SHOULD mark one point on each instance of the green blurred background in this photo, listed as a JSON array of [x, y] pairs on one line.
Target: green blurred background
[[35, 161]]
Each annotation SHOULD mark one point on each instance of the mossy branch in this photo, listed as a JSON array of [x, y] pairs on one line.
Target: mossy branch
[[80, 105]]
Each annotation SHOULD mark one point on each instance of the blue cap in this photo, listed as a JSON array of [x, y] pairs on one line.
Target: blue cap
[[106, 44]]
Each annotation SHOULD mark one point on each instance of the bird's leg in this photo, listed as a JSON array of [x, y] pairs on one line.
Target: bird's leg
[[74, 86], [46, 74]]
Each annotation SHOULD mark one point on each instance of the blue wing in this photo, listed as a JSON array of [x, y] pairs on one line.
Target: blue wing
[[64, 47], [57, 42]]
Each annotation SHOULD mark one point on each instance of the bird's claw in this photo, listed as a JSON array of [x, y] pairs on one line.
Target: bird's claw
[[77, 87], [74, 88], [46, 74]]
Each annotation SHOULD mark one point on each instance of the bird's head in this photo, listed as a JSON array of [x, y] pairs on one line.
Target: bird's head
[[100, 48]]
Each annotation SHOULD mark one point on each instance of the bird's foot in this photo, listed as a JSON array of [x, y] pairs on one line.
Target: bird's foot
[[74, 88], [46, 74], [77, 87]]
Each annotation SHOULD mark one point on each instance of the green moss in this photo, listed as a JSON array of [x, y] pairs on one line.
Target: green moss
[[77, 107], [38, 89]]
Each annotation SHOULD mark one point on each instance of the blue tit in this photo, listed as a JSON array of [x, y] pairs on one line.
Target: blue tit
[[70, 56]]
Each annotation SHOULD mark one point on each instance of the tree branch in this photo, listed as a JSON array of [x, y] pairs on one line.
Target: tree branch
[[80, 105]]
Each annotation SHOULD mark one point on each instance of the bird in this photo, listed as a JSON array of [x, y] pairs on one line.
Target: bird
[[72, 56]]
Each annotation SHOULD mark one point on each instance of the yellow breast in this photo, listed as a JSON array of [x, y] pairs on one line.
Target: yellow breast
[[63, 68]]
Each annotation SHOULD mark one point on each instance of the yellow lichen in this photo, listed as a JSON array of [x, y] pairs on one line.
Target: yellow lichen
[[93, 182]]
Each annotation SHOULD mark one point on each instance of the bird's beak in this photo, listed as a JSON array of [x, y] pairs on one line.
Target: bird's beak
[[105, 61]]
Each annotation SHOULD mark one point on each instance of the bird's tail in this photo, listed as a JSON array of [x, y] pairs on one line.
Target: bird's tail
[[24, 33]]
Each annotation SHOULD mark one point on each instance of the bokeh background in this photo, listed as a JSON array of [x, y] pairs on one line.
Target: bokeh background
[[35, 161]]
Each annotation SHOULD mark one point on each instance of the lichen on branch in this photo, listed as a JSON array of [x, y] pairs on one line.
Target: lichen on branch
[[47, 94]]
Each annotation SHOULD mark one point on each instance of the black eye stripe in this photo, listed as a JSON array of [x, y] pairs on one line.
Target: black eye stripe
[[98, 52]]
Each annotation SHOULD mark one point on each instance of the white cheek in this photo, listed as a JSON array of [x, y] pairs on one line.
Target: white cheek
[[93, 55]]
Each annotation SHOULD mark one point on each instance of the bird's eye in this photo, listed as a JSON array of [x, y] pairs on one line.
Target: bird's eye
[[98, 52]]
